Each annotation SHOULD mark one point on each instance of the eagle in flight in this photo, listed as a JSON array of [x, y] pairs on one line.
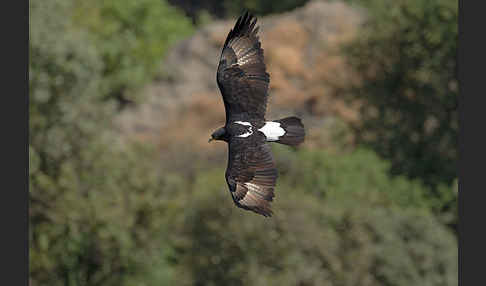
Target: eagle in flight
[[251, 173]]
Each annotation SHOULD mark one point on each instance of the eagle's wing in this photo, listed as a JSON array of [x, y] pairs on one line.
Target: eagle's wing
[[241, 75], [251, 174]]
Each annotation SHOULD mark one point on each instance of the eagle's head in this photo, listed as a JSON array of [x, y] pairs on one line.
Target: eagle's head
[[219, 134]]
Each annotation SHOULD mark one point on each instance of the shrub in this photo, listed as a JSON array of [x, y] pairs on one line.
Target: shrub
[[100, 220], [356, 175], [96, 211], [132, 38], [406, 58], [310, 240]]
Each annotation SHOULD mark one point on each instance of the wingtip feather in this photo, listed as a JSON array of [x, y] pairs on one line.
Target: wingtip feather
[[245, 25]]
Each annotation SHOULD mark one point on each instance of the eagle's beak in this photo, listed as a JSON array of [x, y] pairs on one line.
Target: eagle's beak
[[210, 139]]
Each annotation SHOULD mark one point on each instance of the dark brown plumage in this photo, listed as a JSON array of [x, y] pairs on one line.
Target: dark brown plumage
[[251, 173], [242, 72]]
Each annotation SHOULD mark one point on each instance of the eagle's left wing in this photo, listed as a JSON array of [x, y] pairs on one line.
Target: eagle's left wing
[[242, 76], [251, 174]]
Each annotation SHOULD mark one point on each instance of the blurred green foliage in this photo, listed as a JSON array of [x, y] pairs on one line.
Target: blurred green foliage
[[95, 209], [356, 175], [131, 37], [361, 174], [363, 238], [406, 56], [103, 211]]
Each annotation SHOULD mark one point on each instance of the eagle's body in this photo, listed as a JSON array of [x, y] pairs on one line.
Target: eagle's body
[[251, 174]]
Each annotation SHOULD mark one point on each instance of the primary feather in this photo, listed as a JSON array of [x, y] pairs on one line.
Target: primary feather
[[242, 76]]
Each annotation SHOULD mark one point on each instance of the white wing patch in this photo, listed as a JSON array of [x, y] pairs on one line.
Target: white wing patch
[[272, 130], [250, 130], [243, 123], [242, 60], [250, 198]]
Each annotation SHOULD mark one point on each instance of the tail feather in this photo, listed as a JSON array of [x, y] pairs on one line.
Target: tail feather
[[294, 131]]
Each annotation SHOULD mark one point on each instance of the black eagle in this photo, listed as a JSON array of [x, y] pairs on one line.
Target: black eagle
[[251, 174]]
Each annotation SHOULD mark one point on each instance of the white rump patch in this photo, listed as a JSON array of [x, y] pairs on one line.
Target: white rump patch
[[250, 130], [272, 130]]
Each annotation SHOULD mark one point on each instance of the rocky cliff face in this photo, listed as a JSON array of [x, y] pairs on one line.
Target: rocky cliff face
[[302, 56]]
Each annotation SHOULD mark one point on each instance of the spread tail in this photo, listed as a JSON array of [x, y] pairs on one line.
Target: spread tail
[[288, 131]]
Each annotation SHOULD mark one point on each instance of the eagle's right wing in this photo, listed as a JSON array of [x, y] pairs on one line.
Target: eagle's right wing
[[251, 174], [242, 76]]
